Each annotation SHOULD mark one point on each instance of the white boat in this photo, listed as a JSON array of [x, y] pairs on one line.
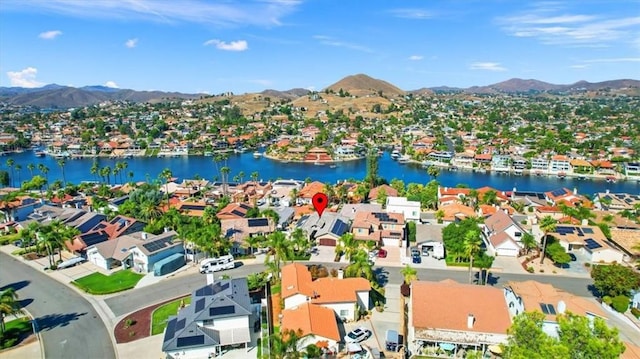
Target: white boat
[[257, 154], [317, 163], [395, 154], [333, 166], [404, 159], [208, 153]]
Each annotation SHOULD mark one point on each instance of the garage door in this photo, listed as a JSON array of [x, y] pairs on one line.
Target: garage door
[[507, 252], [327, 242], [391, 242]]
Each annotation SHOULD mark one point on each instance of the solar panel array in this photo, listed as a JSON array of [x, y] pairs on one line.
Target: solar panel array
[[156, 245], [548, 308], [193, 207], [562, 230], [558, 192], [199, 305], [339, 228], [587, 230], [384, 217], [227, 309], [591, 244], [212, 289], [171, 328], [258, 222], [190, 341], [181, 323], [238, 213]]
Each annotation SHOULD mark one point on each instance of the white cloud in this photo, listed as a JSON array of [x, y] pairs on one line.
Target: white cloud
[[131, 43], [111, 84], [224, 13], [487, 66], [547, 25], [416, 14], [329, 41], [616, 59], [50, 35], [416, 57], [24, 78], [240, 45], [579, 67]]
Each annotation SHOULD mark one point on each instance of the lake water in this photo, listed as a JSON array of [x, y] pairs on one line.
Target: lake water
[[148, 168]]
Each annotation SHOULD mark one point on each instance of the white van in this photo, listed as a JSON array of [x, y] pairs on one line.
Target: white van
[[211, 265]]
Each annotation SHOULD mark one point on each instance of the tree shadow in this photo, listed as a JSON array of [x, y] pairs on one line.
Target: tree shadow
[[382, 276], [491, 279], [594, 291], [51, 321], [24, 302], [16, 285]]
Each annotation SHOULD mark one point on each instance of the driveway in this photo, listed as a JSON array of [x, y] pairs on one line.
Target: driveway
[[68, 324]]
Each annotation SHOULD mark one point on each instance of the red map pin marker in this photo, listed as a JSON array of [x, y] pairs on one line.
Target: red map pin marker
[[320, 202]]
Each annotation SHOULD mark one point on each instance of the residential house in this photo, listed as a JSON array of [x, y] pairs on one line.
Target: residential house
[[233, 211], [375, 192], [564, 195], [500, 163], [381, 227], [616, 202], [632, 169], [559, 164], [315, 324], [451, 195], [220, 317], [238, 230], [349, 210], [20, 208], [581, 166], [410, 209], [345, 296], [502, 235], [139, 250], [530, 296], [453, 317], [325, 230], [588, 240], [305, 195], [456, 212], [539, 165]]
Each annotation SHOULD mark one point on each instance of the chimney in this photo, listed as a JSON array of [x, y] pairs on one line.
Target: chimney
[[470, 320], [340, 274], [585, 222], [210, 279], [144, 235], [166, 229]]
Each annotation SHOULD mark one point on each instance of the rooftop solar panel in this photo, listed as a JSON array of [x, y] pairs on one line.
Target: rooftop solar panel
[[199, 305], [193, 207], [181, 323], [227, 309], [238, 213], [190, 341], [155, 245], [558, 192], [591, 244], [339, 227], [587, 230], [258, 222], [171, 328]]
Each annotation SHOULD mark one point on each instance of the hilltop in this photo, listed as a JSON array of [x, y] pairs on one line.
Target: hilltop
[[362, 84]]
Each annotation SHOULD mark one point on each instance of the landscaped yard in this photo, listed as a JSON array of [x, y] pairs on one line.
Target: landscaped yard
[[98, 283], [9, 238], [16, 330], [162, 314]]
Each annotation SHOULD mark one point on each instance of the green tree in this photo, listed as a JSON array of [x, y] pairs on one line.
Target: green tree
[[360, 266], [433, 171], [615, 279], [281, 251], [472, 246], [9, 305], [382, 197], [528, 341], [529, 242], [166, 176], [409, 274], [10, 163], [5, 179], [547, 225], [61, 162]]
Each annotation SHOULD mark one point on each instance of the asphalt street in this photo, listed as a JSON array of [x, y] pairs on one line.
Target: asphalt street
[[174, 287], [68, 324]]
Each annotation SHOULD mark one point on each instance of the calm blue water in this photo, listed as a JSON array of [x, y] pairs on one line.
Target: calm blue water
[[189, 166]]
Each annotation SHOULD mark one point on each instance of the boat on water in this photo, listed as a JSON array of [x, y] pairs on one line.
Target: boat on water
[[395, 154], [208, 153], [403, 159], [39, 153], [318, 163], [562, 175], [333, 166], [257, 154], [611, 179]]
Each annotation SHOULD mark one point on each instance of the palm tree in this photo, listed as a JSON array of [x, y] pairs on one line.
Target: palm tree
[[9, 305], [31, 167], [254, 177], [547, 225], [10, 163], [300, 241], [44, 170], [241, 176], [433, 171], [360, 266], [105, 173], [149, 211], [350, 245], [409, 274], [166, 176], [61, 163], [95, 169], [529, 242], [63, 234], [224, 171], [472, 244], [281, 250], [490, 197], [18, 168]]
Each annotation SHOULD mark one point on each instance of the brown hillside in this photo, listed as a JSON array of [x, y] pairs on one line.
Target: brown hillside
[[361, 84]]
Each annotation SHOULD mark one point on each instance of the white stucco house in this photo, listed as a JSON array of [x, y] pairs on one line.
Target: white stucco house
[[410, 209], [502, 235]]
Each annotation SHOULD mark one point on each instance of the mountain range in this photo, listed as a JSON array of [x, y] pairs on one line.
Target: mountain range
[[57, 96]]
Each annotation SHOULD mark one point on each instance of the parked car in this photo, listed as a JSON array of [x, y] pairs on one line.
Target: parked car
[[357, 335], [71, 262], [382, 253], [415, 252], [416, 258]]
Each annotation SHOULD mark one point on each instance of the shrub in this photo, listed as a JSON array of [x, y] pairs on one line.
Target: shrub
[[620, 303], [129, 322], [607, 300], [635, 312], [541, 270], [587, 264], [334, 272], [530, 269], [132, 333]]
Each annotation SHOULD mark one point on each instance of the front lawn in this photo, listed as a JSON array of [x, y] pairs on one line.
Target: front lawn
[[9, 238], [98, 283], [161, 315], [15, 331]]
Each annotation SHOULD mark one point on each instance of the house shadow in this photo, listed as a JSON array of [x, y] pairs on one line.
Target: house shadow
[[381, 275], [25, 302], [51, 321], [16, 285], [491, 279], [592, 289]]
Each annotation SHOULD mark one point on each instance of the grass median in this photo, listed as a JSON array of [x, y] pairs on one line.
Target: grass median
[[15, 331], [161, 315], [98, 283]]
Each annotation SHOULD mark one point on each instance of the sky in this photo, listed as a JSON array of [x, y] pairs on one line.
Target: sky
[[215, 46]]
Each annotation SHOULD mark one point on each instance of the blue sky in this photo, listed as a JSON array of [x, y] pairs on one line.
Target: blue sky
[[215, 46]]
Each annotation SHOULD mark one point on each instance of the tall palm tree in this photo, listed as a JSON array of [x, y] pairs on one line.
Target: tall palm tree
[[105, 173], [360, 266], [9, 305], [350, 245], [95, 168], [433, 171], [62, 163], [224, 172], [44, 170], [31, 167], [547, 225], [472, 244], [166, 175], [10, 163], [281, 250], [18, 168], [254, 177], [64, 234], [241, 176]]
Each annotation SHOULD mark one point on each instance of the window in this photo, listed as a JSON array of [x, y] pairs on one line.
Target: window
[[344, 312]]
